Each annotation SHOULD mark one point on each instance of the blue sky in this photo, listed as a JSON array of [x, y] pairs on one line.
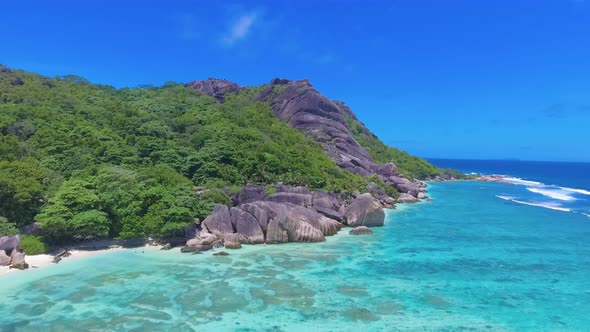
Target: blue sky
[[478, 79]]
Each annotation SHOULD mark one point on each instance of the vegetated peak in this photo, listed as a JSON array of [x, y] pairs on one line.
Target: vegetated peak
[[345, 139]]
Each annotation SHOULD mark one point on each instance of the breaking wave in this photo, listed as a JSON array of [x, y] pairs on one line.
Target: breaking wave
[[559, 194], [551, 191], [546, 205]]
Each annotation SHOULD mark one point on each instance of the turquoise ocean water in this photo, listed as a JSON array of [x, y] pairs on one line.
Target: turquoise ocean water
[[466, 261]]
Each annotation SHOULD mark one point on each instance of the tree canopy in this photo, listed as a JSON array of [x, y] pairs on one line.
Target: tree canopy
[[90, 161]]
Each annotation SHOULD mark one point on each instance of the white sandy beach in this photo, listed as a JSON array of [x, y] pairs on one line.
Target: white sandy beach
[[40, 261]]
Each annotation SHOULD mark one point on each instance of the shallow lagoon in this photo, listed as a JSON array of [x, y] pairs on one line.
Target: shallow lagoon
[[463, 262]]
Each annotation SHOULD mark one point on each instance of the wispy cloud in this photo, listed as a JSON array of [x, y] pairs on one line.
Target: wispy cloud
[[240, 28]]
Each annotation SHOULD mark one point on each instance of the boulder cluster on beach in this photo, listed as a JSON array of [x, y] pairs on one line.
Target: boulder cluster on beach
[[10, 253], [292, 214]]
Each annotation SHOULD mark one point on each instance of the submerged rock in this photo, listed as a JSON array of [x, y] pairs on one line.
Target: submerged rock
[[361, 230], [221, 253], [365, 210]]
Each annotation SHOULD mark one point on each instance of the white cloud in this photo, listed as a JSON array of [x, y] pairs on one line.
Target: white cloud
[[240, 29]]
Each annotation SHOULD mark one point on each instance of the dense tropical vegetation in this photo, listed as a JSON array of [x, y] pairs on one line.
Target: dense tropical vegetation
[[89, 161]]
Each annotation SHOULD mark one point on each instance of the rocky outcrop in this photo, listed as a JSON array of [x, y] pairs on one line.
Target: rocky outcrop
[[292, 214], [325, 121], [302, 107], [332, 214], [247, 225], [361, 230], [292, 198], [9, 243], [219, 222], [232, 241], [249, 194], [215, 88], [4, 258], [17, 260], [202, 242], [407, 198], [365, 210]]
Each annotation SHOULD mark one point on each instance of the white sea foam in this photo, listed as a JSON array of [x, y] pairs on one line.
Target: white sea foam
[[574, 190], [559, 194], [553, 191], [586, 214], [523, 182], [539, 204], [506, 198]]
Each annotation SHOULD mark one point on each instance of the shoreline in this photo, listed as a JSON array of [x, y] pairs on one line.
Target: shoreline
[[46, 260], [105, 246], [90, 249]]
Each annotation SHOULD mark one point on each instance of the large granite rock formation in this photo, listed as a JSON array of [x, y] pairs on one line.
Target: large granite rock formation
[[292, 214], [365, 210], [10, 243], [17, 260], [247, 225], [4, 258], [219, 222], [302, 107], [325, 121], [215, 88]]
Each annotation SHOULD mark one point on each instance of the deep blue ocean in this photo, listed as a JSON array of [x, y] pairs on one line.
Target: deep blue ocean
[[557, 185], [566, 174], [477, 257]]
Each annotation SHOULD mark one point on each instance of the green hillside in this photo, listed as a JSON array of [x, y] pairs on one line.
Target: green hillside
[[90, 161]]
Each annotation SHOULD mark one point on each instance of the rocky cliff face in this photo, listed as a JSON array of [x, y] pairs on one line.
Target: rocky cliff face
[[325, 121], [215, 88]]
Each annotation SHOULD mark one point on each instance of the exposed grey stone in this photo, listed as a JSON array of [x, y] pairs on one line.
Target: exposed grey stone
[[329, 213], [293, 198], [248, 194], [9, 243], [258, 213], [406, 198], [17, 260], [219, 222], [246, 225], [215, 88], [4, 258], [232, 241], [365, 210]]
